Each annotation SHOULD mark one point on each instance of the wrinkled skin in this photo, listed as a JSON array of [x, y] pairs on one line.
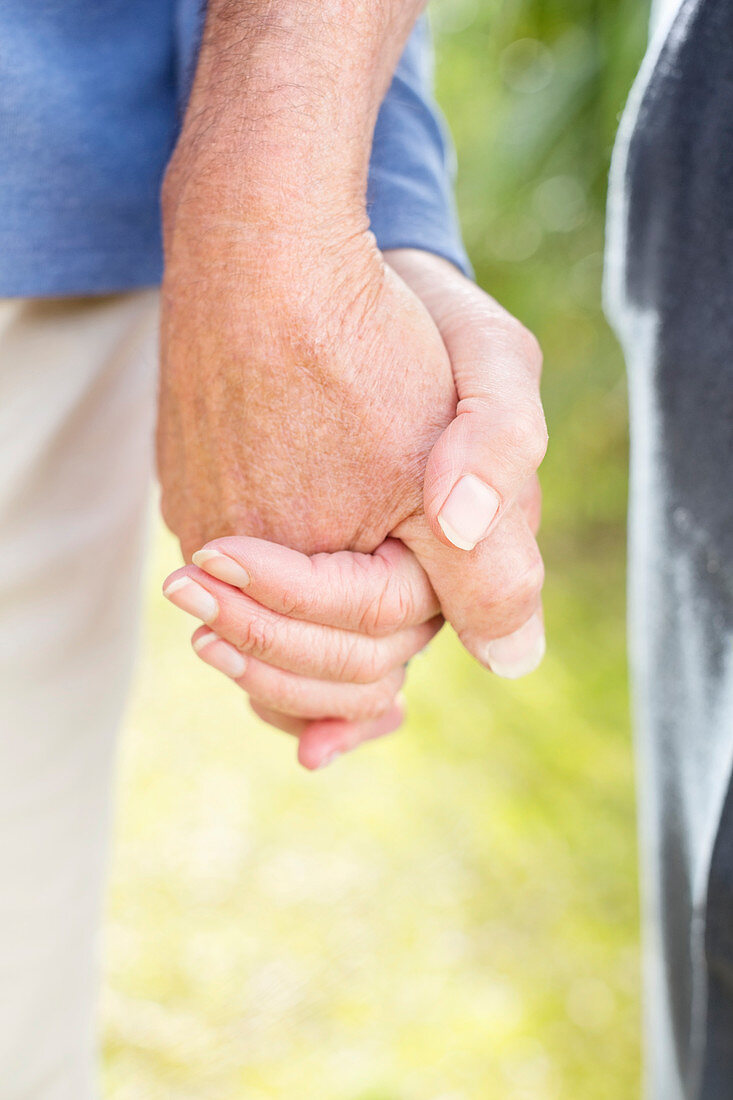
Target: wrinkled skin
[[318, 392], [377, 610], [306, 415]]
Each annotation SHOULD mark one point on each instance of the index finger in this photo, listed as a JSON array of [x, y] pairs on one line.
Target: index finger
[[373, 594]]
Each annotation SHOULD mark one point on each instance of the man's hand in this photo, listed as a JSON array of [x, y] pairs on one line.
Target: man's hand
[[284, 341]]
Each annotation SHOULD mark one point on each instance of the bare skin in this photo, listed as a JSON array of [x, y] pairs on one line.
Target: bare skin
[[311, 394], [373, 611]]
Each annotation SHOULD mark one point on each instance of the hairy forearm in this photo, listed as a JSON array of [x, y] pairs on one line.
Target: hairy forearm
[[285, 99], [303, 51]]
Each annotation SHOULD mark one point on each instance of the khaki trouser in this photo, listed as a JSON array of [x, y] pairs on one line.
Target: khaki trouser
[[77, 390]]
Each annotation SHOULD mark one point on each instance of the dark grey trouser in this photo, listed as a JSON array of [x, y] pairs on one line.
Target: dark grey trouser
[[669, 291]]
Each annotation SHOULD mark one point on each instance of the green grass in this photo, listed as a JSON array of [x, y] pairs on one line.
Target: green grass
[[450, 914]]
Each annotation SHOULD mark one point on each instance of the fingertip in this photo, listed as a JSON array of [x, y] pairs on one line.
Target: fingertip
[[324, 741], [202, 637], [174, 580], [452, 537], [274, 575], [222, 567], [518, 654], [219, 654]]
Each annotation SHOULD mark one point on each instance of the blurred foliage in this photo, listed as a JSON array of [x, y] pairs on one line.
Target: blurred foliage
[[533, 91], [451, 914]]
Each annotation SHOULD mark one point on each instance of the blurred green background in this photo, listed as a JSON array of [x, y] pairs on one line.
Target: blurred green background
[[450, 914]]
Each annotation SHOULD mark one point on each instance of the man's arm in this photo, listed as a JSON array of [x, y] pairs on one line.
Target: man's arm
[[284, 103], [266, 238], [303, 382]]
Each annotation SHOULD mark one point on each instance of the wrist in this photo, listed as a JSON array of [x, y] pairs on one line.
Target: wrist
[[263, 183], [238, 221]]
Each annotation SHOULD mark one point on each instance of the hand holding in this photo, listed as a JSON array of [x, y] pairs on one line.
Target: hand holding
[[324, 618], [336, 422], [311, 636]]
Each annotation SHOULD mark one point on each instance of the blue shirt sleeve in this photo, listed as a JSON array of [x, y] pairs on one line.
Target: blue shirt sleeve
[[410, 194], [90, 103]]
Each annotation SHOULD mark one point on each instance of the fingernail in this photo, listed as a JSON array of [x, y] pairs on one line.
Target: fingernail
[[468, 512], [191, 597], [223, 657], [222, 567], [519, 653], [329, 759]]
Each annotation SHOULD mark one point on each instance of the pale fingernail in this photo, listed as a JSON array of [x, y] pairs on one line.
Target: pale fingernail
[[223, 657], [203, 640], [191, 597], [468, 513], [222, 567], [519, 653], [329, 759]]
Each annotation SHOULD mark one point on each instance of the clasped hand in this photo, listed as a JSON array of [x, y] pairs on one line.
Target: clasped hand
[[348, 447]]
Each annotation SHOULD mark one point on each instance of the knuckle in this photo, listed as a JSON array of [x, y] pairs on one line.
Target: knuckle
[[399, 605], [392, 609], [292, 602], [274, 694], [530, 347], [523, 437], [256, 636], [373, 700], [368, 618], [361, 667], [369, 605], [529, 579], [361, 664], [536, 438], [519, 432], [270, 700], [345, 666], [522, 340], [374, 666]]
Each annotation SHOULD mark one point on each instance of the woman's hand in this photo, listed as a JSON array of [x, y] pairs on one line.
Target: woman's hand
[[306, 636]]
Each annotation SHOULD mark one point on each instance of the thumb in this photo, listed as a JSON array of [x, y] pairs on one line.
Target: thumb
[[477, 470], [492, 596], [498, 438]]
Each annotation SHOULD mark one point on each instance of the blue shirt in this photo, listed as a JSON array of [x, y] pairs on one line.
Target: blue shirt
[[91, 98]]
